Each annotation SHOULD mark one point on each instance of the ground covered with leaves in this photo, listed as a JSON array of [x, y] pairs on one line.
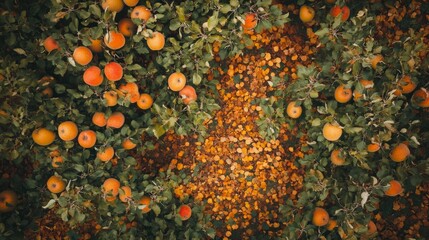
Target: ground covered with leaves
[[239, 175]]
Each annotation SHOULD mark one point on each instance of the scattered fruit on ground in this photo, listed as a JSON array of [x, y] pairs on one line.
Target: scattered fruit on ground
[[234, 155]]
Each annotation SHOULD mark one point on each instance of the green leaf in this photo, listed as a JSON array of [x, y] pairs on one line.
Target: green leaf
[[337, 22], [181, 14], [178, 220], [30, 183], [353, 130], [94, 9], [130, 161], [79, 216], [225, 9], [134, 67], [20, 51], [316, 122], [72, 212], [159, 16], [14, 154], [158, 131], [50, 204], [59, 88], [266, 24], [174, 24], [322, 32], [129, 78], [356, 68], [156, 209], [62, 201], [79, 167], [196, 78], [213, 21], [64, 216], [211, 232], [234, 3], [168, 195], [314, 94], [84, 14], [196, 28], [69, 144]]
